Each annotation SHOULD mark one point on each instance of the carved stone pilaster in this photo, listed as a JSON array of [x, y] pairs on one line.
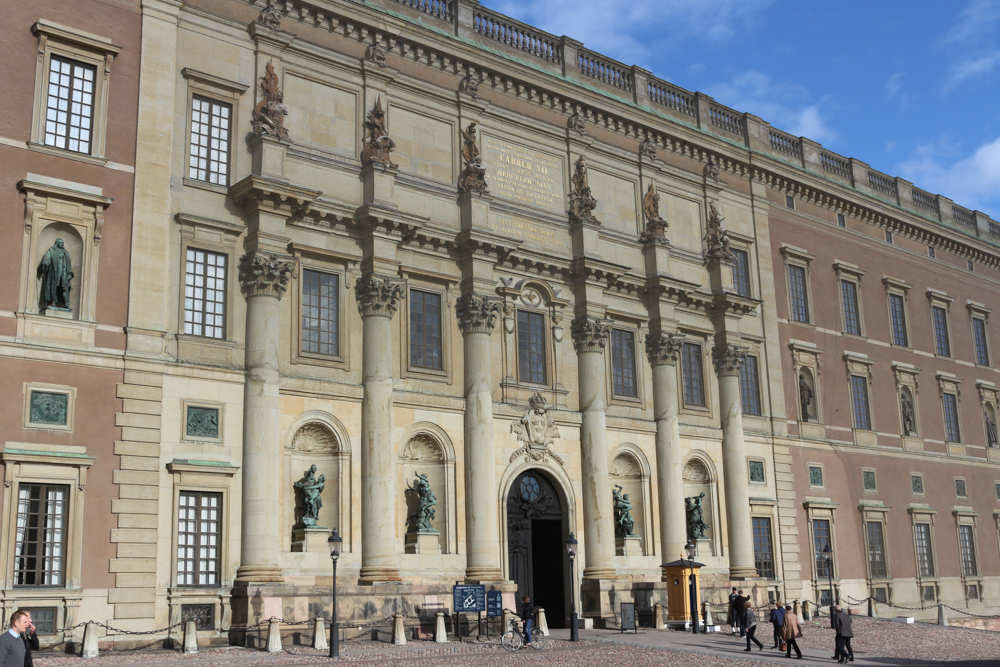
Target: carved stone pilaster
[[265, 273], [378, 296], [663, 347], [728, 358], [478, 313], [590, 334]]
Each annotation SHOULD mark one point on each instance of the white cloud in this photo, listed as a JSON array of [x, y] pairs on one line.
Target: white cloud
[[786, 106], [972, 43], [972, 180]]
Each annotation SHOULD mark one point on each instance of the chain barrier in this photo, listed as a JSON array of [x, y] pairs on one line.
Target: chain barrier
[[969, 613]]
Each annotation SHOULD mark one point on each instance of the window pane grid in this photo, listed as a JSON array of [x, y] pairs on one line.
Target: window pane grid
[[821, 539], [741, 273], [198, 539], [425, 329], [209, 155], [40, 535], [800, 300], [531, 346], [876, 550], [69, 111], [979, 337], [941, 344], [852, 317], [859, 399], [750, 386], [952, 433], [623, 363], [320, 312], [693, 374], [925, 558], [967, 545], [205, 293], [897, 316], [763, 553]]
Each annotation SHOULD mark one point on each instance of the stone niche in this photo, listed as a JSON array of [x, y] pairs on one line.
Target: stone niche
[[316, 443], [698, 478], [425, 452], [628, 473]]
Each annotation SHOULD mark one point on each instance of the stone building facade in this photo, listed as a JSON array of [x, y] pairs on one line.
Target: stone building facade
[[381, 250]]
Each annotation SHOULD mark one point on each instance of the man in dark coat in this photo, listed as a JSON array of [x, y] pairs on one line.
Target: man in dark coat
[[842, 624], [30, 638], [527, 617], [739, 605], [732, 611], [777, 619]]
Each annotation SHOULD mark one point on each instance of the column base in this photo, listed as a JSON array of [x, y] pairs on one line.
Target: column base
[[598, 572], [259, 573], [370, 575], [742, 573], [479, 575]]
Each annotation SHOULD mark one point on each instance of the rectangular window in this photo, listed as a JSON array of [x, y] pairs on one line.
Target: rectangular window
[[763, 553], [799, 297], [952, 434], [198, 539], [930, 252], [821, 539], [841, 220], [859, 399], [876, 550], [942, 345], [40, 535], [852, 316], [209, 157], [979, 338], [888, 236], [925, 557], [44, 619], [69, 112], [425, 329], [741, 272], [790, 201], [750, 386], [205, 293], [966, 542], [320, 312], [693, 375], [531, 346], [623, 363], [897, 319]]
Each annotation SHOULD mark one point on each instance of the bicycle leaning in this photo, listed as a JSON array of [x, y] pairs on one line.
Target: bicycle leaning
[[513, 639]]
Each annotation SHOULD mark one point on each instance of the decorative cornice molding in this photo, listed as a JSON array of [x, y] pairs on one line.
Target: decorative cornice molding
[[264, 273], [478, 313], [378, 296], [663, 347], [590, 334]]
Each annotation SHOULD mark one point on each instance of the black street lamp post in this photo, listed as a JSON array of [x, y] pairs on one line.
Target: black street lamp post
[[828, 558], [574, 631], [690, 548], [334, 543]]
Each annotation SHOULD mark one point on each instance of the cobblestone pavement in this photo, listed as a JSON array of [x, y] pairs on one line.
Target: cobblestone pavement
[[877, 643]]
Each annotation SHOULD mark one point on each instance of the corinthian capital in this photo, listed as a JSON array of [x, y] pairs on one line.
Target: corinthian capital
[[265, 273], [728, 358], [590, 334], [378, 295], [478, 313], [663, 347]]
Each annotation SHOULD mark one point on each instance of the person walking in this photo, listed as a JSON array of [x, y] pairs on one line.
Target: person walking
[[777, 619], [11, 644], [842, 624], [30, 641], [790, 629], [732, 612], [739, 605], [750, 625], [527, 618]]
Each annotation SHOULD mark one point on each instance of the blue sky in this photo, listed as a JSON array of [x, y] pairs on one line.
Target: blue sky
[[910, 87]]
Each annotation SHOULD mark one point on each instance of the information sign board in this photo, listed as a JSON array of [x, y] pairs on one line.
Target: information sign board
[[470, 598], [494, 603]]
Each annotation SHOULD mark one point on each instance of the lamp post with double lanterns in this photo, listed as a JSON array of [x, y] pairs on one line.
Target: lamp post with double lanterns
[[574, 632], [334, 542], [691, 550], [828, 559]]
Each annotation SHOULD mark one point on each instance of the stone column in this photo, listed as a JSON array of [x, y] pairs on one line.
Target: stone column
[[378, 299], [263, 280], [728, 360], [590, 335], [477, 316], [663, 348]]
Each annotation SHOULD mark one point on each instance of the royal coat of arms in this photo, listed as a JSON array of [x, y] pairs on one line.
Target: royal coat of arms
[[536, 432]]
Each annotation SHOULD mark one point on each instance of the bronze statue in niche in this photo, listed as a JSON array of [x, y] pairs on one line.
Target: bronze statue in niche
[[656, 227], [473, 175], [378, 144], [56, 273], [268, 116], [581, 201]]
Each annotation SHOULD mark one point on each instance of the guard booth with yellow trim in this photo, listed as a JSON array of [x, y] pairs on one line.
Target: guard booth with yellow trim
[[676, 574]]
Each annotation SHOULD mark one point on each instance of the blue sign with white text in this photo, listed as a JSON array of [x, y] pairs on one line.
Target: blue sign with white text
[[470, 598], [494, 603]]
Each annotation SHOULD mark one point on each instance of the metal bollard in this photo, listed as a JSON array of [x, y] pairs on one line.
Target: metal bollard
[[274, 636], [398, 631], [190, 638], [540, 622], [440, 631], [89, 649], [319, 634]]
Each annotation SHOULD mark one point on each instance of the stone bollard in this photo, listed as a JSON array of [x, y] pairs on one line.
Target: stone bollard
[[274, 636], [942, 615], [708, 617], [806, 614], [319, 634], [506, 619], [658, 616], [398, 631], [872, 608], [440, 631], [796, 609], [540, 621], [190, 638], [89, 649]]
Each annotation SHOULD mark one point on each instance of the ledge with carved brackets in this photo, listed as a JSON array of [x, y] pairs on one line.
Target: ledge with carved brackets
[[260, 193], [731, 303]]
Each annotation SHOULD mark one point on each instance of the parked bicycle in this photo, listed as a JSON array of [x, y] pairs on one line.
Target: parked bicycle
[[513, 639]]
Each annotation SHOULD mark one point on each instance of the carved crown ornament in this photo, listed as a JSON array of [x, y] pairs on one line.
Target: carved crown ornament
[[590, 334], [729, 358], [263, 273], [268, 117], [656, 226], [663, 347], [478, 313], [378, 296], [537, 432]]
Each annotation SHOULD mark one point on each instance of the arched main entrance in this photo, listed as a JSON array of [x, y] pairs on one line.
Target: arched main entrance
[[536, 543]]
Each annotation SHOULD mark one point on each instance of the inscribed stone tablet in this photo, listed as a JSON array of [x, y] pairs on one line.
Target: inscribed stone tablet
[[523, 175]]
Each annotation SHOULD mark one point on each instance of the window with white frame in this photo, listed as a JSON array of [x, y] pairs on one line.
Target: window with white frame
[[198, 538], [821, 539], [40, 537], [208, 158], [205, 293], [69, 107]]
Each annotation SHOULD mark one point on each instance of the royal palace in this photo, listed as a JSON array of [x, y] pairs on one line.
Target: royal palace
[[459, 288]]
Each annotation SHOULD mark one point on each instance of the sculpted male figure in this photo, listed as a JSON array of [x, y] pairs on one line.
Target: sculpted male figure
[[56, 272], [805, 397], [907, 407]]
